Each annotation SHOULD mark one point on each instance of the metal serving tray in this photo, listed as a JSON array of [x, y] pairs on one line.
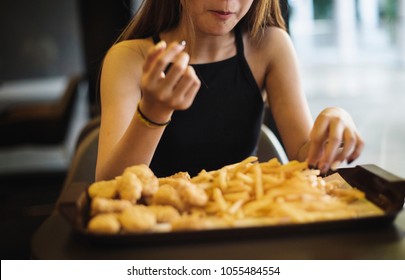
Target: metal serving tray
[[381, 187]]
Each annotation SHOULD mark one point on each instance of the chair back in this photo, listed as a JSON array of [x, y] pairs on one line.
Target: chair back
[[269, 146], [65, 106], [83, 164]]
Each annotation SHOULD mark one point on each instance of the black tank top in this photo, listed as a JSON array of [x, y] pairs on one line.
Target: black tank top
[[222, 125]]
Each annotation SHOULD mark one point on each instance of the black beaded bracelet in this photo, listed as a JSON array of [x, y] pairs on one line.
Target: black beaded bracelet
[[147, 121]]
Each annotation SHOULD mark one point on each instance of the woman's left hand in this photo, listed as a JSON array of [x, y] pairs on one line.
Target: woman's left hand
[[333, 139]]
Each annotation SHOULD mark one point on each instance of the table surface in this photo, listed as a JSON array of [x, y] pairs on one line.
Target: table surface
[[55, 239]]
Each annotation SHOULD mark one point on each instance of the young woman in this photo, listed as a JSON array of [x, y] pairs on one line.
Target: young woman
[[185, 86]]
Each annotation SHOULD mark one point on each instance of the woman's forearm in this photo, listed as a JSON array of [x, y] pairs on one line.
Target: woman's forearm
[[137, 146]]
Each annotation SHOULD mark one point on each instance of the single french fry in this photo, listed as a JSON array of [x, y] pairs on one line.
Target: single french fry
[[244, 178], [222, 179], [273, 162], [236, 196], [241, 166], [236, 206], [257, 205], [238, 186], [258, 181], [203, 176], [293, 166], [219, 199]]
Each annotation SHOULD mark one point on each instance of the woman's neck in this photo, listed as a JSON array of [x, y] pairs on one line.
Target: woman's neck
[[205, 48]]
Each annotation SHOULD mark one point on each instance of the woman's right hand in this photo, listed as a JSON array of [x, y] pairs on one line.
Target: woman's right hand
[[162, 93]]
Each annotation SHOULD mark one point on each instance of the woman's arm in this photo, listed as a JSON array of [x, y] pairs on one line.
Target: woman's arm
[[333, 137], [285, 94], [130, 79]]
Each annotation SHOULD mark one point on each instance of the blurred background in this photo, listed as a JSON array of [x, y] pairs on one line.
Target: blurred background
[[351, 54]]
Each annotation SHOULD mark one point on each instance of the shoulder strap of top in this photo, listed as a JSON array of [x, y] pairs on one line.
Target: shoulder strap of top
[[239, 41], [241, 56]]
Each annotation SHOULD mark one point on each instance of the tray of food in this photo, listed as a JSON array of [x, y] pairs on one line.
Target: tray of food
[[248, 198]]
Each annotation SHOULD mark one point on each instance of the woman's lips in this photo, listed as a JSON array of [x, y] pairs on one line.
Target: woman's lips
[[222, 14]]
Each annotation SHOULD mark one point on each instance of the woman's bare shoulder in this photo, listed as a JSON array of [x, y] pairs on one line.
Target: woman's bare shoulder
[[126, 58], [273, 40], [274, 47], [133, 49], [122, 66]]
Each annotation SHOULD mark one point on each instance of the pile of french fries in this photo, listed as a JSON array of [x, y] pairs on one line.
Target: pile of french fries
[[252, 193]]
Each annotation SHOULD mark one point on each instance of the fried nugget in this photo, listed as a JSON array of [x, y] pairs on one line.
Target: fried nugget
[[189, 192], [137, 218], [108, 205], [150, 183], [105, 224], [129, 187], [178, 175], [106, 189], [192, 194], [168, 195], [164, 213]]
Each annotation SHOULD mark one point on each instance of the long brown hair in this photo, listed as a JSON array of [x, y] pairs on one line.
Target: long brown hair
[[154, 17]]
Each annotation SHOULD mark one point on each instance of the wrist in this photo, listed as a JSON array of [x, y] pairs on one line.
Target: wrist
[[302, 153], [152, 116]]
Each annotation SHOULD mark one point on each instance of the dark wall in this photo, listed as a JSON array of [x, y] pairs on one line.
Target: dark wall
[[47, 38], [39, 38], [101, 22]]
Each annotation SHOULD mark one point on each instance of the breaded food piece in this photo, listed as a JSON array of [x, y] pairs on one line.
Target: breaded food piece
[[192, 194], [129, 187], [104, 224], [164, 213], [108, 205], [183, 175], [150, 183], [137, 218], [189, 192], [106, 189], [191, 222], [168, 195], [178, 175]]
